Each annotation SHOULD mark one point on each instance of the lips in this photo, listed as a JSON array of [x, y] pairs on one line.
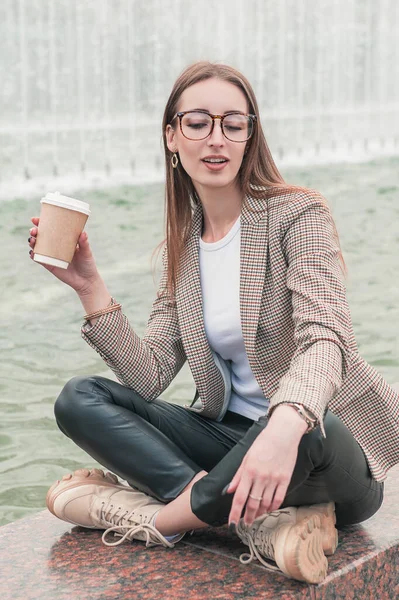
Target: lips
[[215, 159], [215, 166]]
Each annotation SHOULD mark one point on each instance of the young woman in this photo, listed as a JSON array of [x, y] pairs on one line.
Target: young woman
[[291, 431]]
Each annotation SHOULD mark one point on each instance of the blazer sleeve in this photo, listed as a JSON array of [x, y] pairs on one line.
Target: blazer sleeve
[[320, 312], [148, 364]]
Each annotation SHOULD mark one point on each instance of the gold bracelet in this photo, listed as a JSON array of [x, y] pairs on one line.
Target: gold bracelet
[[306, 415], [104, 311]]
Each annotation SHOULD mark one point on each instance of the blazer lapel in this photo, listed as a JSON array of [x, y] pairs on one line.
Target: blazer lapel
[[254, 254], [191, 321], [253, 260]]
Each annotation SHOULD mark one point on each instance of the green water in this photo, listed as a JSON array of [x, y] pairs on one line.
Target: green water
[[40, 318]]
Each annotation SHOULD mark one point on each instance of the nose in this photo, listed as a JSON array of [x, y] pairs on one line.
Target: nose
[[216, 138]]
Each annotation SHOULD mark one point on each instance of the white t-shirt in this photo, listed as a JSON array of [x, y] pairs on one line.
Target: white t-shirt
[[220, 285]]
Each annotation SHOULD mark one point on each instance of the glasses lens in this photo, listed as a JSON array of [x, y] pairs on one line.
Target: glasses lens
[[196, 125], [237, 128]]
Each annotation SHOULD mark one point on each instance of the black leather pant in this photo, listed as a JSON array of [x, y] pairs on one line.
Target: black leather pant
[[159, 447]]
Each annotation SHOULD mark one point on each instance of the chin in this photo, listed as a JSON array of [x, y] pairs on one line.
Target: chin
[[214, 180], [215, 183]]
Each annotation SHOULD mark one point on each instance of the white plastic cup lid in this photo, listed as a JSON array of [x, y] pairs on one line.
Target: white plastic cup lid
[[66, 202]]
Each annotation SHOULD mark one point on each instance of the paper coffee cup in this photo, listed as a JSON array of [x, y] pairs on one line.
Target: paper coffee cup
[[62, 220]]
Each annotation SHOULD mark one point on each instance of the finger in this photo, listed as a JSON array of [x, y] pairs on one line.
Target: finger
[[83, 241], [268, 494], [279, 496], [33, 231], [35, 220], [263, 509], [239, 500], [31, 241], [235, 481], [254, 501], [84, 246]]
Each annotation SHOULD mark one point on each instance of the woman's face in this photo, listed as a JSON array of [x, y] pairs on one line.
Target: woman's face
[[217, 97]]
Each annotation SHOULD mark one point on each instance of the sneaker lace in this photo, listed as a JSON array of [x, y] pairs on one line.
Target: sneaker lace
[[121, 525], [265, 541], [153, 536]]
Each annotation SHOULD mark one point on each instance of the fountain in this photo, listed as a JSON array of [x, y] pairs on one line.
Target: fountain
[[84, 82]]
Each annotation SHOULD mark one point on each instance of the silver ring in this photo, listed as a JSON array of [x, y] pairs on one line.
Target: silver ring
[[255, 498]]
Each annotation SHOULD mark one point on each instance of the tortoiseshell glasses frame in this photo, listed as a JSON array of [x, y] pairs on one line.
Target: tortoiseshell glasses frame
[[250, 121]]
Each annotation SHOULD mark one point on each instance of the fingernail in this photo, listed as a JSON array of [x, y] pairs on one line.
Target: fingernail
[[224, 490], [31, 252], [29, 238], [232, 527]]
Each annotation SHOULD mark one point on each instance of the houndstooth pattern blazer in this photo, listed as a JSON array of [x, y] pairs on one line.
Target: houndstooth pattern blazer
[[295, 322]]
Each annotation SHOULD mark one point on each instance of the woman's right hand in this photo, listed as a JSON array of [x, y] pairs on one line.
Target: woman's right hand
[[81, 273]]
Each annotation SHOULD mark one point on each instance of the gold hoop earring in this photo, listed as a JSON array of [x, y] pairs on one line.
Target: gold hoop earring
[[174, 160]]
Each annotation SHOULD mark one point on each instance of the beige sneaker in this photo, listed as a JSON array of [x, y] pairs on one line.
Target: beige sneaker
[[326, 512], [99, 501], [296, 547]]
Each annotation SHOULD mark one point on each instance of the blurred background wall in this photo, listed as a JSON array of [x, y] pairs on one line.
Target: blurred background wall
[[84, 82]]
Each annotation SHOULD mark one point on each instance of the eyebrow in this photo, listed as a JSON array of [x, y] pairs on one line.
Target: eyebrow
[[226, 112]]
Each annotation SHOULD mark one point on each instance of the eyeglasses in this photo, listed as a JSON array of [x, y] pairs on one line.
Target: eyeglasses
[[197, 125]]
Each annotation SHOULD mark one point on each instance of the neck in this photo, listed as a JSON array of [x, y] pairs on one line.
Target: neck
[[221, 208]]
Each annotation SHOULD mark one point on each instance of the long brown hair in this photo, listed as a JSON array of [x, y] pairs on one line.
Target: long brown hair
[[258, 176]]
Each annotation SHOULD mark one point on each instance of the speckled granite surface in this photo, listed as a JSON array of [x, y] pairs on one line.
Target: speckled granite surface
[[44, 558]]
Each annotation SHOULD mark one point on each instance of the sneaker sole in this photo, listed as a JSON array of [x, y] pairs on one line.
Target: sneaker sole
[[329, 531], [76, 479], [328, 520], [300, 555]]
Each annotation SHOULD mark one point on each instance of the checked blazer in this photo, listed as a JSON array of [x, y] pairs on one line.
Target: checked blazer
[[295, 321]]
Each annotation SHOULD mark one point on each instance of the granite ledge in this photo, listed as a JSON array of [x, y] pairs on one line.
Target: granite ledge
[[43, 557]]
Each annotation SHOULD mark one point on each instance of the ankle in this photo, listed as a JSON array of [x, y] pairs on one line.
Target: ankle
[[163, 525], [167, 536]]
